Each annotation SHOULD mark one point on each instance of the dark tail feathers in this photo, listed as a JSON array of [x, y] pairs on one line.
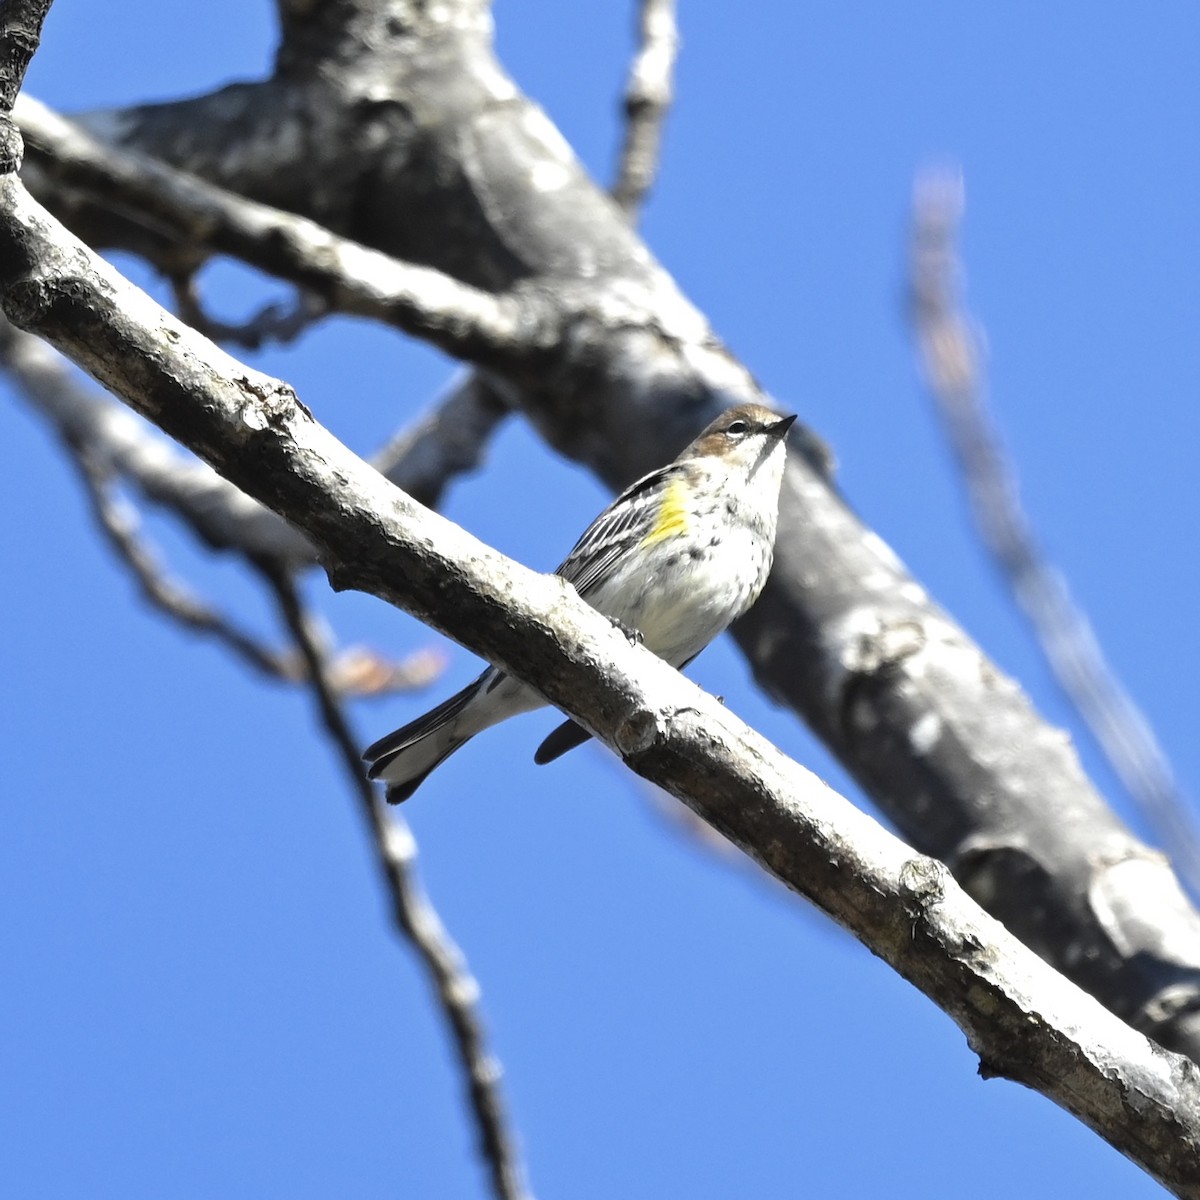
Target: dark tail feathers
[[566, 737]]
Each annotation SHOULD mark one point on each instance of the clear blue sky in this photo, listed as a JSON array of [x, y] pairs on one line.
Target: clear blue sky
[[202, 997]]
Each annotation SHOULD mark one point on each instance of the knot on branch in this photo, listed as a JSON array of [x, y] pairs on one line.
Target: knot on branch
[[638, 732], [924, 879], [269, 403], [31, 297]]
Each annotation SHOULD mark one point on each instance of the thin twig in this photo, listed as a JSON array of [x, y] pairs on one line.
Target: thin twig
[[221, 515], [648, 96], [448, 441], [276, 322], [119, 524], [395, 848], [395, 851], [949, 349]]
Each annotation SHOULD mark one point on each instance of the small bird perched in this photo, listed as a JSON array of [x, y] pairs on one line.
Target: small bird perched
[[675, 558]]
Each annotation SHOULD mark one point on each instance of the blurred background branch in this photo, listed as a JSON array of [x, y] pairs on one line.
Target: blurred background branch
[[950, 348], [648, 96], [455, 989]]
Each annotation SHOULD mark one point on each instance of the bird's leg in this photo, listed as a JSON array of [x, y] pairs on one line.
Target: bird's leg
[[634, 635]]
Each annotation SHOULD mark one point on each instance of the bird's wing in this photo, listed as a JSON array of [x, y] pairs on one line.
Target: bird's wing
[[628, 520]]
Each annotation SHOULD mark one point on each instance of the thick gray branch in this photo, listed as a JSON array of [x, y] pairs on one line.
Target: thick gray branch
[[1024, 1020]]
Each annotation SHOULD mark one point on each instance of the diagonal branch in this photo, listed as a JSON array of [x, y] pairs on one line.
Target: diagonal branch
[[274, 322], [1024, 1020], [648, 96], [950, 354], [200, 219], [415, 918]]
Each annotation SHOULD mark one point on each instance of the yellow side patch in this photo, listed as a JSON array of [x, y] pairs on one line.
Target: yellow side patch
[[672, 515]]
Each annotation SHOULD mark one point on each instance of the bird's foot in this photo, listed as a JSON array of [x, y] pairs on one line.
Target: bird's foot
[[634, 635]]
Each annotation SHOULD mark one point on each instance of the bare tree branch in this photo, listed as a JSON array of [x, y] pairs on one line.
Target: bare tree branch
[[950, 353], [395, 848], [648, 96], [395, 851], [1026, 1022], [272, 323], [463, 320], [421, 459]]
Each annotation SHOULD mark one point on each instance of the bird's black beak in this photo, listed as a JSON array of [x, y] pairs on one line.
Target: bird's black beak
[[781, 426]]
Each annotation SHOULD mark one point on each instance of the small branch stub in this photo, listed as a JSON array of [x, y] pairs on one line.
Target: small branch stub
[[637, 733]]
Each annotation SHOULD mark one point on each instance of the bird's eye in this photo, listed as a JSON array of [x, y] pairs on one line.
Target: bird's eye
[[737, 428]]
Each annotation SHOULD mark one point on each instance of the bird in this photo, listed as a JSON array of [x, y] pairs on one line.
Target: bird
[[676, 558]]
